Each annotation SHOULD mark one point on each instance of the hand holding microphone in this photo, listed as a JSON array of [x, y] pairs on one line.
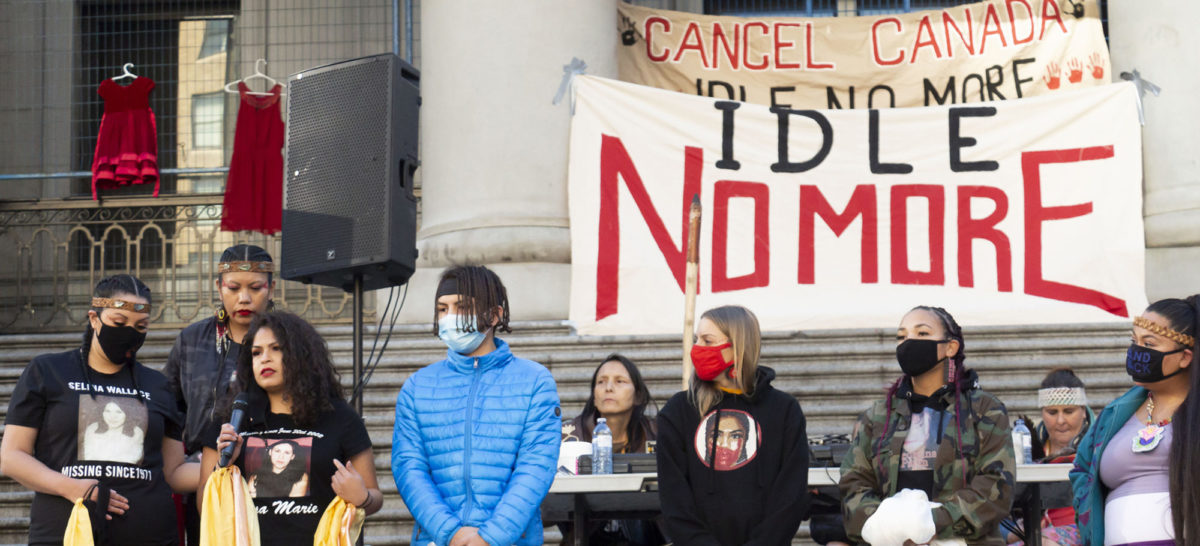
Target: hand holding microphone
[[229, 441]]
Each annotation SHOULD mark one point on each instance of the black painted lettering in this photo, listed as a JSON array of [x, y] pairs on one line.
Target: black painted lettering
[[785, 166], [958, 142], [878, 167]]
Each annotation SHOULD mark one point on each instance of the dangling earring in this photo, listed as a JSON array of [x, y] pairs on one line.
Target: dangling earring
[[221, 315]]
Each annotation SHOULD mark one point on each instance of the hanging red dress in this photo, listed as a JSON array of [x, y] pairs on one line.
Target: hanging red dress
[[127, 147], [254, 187]]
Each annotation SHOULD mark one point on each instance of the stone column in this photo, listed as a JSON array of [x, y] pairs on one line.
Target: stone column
[[1156, 37], [494, 149]]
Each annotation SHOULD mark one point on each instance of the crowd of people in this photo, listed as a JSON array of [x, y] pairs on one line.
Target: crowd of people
[[477, 434]]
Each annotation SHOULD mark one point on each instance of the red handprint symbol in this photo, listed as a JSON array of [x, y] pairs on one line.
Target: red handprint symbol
[[1051, 77], [1096, 66], [1074, 70]]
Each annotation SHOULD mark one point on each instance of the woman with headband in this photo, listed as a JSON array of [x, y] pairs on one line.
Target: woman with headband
[[200, 367], [934, 458], [1137, 473], [63, 404], [1065, 418]]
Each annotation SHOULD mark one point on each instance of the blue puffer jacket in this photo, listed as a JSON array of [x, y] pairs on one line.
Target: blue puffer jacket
[[476, 444]]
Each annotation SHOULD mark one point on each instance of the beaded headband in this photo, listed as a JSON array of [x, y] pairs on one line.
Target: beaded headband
[[251, 267], [110, 303], [1163, 331], [1062, 396]]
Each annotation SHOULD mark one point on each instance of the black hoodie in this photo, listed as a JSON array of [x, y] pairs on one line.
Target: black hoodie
[[758, 492]]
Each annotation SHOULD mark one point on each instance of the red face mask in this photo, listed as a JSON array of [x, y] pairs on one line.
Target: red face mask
[[726, 458], [708, 361]]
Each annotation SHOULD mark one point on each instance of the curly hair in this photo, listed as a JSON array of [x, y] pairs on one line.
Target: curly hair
[[310, 381]]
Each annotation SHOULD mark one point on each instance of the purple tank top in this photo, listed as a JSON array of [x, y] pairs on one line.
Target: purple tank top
[[1127, 473]]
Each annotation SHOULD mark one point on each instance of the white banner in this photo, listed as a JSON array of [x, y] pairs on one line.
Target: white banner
[[1011, 212]]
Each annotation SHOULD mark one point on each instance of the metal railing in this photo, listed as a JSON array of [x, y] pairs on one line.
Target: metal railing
[[52, 253]]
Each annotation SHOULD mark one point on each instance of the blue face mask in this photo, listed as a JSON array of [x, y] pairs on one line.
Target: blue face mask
[[459, 341]]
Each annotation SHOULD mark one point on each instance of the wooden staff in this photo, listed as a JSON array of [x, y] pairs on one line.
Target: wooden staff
[[692, 279]]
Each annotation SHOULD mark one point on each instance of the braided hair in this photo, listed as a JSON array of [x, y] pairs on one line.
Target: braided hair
[[112, 287], [955, 376], [1183, 466]]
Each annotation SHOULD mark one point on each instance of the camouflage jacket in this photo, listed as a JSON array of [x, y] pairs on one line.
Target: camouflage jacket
[[975, 489]]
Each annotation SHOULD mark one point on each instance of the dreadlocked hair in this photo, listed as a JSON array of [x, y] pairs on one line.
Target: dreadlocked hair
[[1183, 468], [481, 294], [310, 382], [954, 375], [113, 286]]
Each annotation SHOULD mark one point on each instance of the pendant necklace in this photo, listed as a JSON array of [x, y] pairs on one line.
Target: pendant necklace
[[1149, 436]]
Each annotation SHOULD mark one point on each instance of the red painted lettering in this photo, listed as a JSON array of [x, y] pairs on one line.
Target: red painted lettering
[[616, 165], [723, 191], [970, 229], [861, 204], [901, 274], [666, 26], [899, 58], [1036, 214], [988, 19]]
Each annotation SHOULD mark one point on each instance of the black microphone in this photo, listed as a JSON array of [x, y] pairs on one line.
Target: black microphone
[[235, 419]]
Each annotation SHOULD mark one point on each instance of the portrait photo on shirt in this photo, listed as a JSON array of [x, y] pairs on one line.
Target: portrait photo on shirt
[[736, 436], [278, 467], [112, 428]]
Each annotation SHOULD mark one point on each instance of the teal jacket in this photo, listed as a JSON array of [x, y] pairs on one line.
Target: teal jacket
[[1085, 477]]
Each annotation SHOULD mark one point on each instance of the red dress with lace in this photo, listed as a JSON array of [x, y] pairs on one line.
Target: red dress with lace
[[254, 187], [127, 147]]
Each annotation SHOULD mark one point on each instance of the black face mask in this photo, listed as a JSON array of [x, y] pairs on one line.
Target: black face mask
[[1145, 365], [120, 343], [917, 356]]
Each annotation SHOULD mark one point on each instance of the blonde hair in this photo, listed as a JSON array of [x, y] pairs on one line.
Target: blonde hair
[[741, 327]]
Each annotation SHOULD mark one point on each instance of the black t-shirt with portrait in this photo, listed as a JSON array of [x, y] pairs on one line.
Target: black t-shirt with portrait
[[290, 468], [93, 425]]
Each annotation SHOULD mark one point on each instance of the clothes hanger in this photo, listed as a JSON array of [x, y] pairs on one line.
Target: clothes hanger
[[127, 73], [231, 87]]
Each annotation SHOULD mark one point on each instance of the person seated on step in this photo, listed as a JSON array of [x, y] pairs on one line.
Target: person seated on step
[[1065, 418], [934, 459], [1137, 472], [732, 450], [621, 397]]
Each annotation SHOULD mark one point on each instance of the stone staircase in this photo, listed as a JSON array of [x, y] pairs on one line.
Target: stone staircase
[[835, 374]]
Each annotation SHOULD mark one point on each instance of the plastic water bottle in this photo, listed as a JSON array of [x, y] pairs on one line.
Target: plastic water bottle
[[602, 448], [1022, 442]]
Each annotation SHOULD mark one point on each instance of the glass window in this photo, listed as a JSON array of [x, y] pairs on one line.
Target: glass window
[[208, 113], [216, 34]]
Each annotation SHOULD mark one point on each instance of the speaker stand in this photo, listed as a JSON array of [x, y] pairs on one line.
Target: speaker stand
[[358, 343]]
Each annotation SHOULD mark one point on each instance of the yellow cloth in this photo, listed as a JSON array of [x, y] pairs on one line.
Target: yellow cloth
[[228, 517], [79, 527], [732, 391], [340, 524]]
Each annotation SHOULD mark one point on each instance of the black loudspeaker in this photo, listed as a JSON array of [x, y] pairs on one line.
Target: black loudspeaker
[[351, 153]]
